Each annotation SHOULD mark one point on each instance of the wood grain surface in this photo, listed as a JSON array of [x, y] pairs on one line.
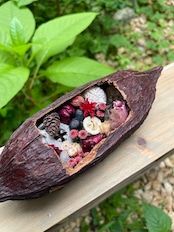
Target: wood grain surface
[[147, 146]]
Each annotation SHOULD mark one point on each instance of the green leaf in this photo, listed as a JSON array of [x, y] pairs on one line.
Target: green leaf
[[16, 32], [21, 49], [76, 71], [156, 219], [6, 57], [6, 54], [24, 2], [8, 11], [12, 50], [56, 35], [12, 80]]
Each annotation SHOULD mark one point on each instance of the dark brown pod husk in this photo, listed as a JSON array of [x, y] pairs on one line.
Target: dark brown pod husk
[[29, 168]]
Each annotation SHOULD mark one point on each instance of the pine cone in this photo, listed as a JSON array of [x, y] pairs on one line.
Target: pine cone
[[51, 123]]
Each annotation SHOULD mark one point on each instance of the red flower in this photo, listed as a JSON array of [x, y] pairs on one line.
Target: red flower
[[88, 108], [83, 134]]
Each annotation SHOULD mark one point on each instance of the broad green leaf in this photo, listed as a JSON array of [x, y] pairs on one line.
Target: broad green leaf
[[156, 219], [6, 57], [17, 32], [24, 2], [6, 54], [76, 71], [56, 35], [8, 11], [5, 48], [5, 67], [12, 80]]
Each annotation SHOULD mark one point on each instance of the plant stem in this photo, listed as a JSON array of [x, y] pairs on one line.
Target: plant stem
[[30, 59], [29, 97], [34, 76], [37, 69]]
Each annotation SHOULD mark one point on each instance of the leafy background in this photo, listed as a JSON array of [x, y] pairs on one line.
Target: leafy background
[[140, 40]]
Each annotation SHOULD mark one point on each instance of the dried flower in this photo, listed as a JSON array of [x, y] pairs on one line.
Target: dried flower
[[92, 125], [81, 154], [77, 101], [66, 113], [117, 103], [90, 142], [82, 134], [88, 108], [65, 145], [100, 114], [118, 116], [102, 106], [73, 133]]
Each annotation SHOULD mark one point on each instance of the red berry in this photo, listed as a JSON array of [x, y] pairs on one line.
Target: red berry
[[83, 134], [77, 101], [102, 106], [73, 133], [100, 114]]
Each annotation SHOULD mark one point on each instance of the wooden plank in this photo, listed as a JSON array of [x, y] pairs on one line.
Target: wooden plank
[[152, 142]]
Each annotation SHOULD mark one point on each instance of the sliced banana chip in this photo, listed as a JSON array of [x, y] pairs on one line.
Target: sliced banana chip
[[92, 125]]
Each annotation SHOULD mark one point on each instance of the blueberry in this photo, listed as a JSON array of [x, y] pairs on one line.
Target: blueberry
[[79, 115], [74, 124]]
